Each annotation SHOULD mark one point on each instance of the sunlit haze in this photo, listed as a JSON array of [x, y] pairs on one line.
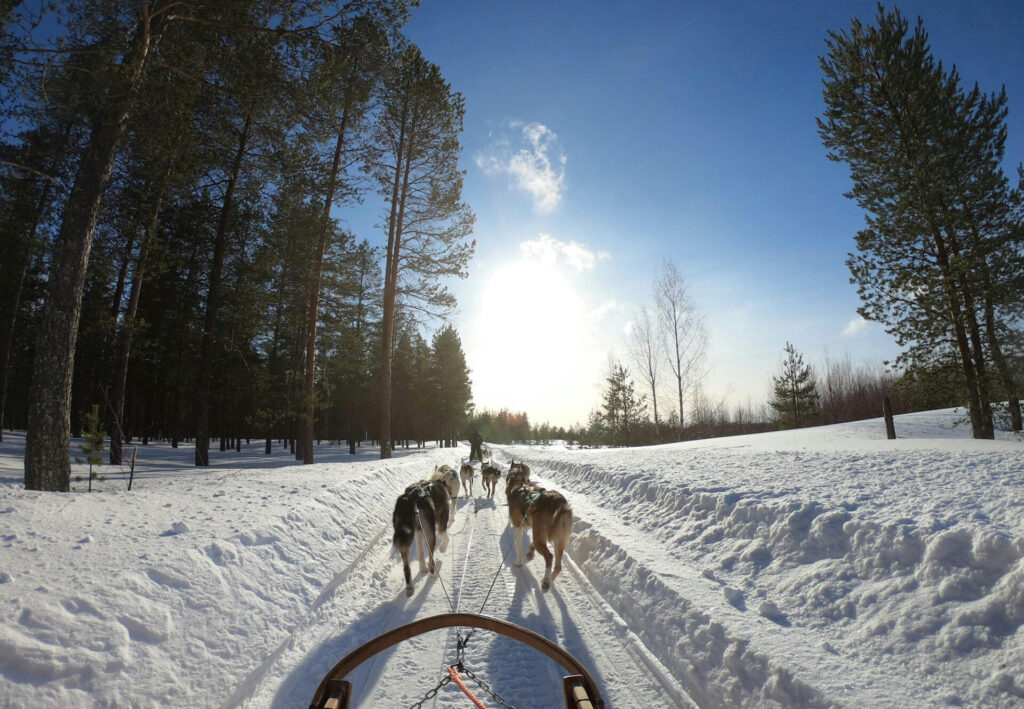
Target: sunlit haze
[[601, 138]]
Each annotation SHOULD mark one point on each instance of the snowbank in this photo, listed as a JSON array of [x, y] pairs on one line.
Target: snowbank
[[815, 568], [899, 564]]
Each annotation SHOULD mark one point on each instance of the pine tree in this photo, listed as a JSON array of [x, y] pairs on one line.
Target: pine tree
[[624, 409], [418, 176], [943, 235], [795, 392], [92, 448], [452, 382]]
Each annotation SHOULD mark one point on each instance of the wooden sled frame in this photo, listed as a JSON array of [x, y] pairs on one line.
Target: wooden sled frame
[[580, 689]]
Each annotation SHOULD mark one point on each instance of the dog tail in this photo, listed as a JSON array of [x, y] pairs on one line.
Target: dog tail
[[561, 523], [404, 520]]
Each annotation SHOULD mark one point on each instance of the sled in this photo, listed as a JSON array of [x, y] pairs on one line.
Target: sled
[[578, 686]]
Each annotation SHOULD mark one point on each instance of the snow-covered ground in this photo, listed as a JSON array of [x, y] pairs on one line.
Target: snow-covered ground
[[813, 568]]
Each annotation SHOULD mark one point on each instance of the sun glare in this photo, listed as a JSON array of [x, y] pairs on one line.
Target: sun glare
[[529, 339]]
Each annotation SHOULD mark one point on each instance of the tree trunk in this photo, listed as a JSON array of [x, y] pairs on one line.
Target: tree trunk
[[390, 291], [202, 425], [124, 343], [48, 440], [309, 394], [1002, 367]]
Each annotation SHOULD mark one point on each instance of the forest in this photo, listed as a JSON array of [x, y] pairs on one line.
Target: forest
[[175, 178], [175, 181]]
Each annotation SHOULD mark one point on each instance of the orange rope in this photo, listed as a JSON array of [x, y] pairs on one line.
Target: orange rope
[[454, 674]]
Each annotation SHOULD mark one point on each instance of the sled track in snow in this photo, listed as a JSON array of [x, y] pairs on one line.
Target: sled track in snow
[[681, 638], [366, 598]]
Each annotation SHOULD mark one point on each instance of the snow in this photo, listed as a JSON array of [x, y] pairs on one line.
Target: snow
[[813, 568]]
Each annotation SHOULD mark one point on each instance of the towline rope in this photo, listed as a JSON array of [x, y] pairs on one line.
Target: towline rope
[[453, 672], [430, 551]]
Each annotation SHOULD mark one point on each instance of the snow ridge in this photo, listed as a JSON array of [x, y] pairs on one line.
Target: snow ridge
[[948, 589]]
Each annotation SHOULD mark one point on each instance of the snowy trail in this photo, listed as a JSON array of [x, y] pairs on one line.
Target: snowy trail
[[820, 568], [573, 615]]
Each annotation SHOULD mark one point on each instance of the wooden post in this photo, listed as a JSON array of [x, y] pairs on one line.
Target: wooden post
[[131, 476], [890, 428]]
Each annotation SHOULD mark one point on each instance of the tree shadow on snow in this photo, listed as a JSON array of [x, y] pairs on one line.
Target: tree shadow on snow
[[297, 689]]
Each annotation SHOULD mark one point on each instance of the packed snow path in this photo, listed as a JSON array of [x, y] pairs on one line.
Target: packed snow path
[[814, 568], [480, 554]]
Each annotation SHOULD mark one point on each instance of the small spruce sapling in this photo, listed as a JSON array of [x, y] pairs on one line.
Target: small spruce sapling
[[92, 432]]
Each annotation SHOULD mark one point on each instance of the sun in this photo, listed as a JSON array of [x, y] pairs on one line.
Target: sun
[[528, 338]]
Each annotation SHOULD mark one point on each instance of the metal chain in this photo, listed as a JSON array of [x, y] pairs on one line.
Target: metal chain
[[432, 693], [484, 686], [461, 642]]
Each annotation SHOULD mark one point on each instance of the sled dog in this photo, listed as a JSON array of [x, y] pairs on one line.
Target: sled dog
[[490, 475], [549, 516], [421, 514], [466, 472], [521, 469], [447, 475]]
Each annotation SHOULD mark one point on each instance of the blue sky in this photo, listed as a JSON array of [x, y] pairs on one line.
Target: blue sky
[[603, 137]]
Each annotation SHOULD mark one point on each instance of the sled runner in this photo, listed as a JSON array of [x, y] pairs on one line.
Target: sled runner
[[579, 688]]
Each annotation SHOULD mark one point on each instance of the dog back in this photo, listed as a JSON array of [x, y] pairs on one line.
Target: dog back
[[448, 477], [418, 497]]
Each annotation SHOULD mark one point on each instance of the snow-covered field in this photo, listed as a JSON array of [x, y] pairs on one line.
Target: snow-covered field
[[813, 568]]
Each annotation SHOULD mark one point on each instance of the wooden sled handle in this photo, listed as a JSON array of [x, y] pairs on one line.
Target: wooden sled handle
[[331, 683]]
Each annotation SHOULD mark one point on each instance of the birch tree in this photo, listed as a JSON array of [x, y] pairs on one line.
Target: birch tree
[[684, 331], [647, 352]]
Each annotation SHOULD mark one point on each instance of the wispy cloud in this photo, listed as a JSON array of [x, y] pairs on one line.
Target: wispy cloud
[[855, 326], [533, 162], [550, 250]]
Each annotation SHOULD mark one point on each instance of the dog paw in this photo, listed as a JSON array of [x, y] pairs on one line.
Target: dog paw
[[408, 591], [518, 563]]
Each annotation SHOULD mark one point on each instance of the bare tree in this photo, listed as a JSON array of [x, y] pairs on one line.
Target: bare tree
[[645, 349], [684, 331]]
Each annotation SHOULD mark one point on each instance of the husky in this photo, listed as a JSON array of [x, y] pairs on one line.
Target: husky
[[490, 475], [447, 475], [549, 516], [519, 468], [466, 472], [421, 514]]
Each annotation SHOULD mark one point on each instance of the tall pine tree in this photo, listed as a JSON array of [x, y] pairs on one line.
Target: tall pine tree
[[418, 177], [942, 236]]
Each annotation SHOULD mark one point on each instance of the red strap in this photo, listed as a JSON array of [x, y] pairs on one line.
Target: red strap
[[454, 674]]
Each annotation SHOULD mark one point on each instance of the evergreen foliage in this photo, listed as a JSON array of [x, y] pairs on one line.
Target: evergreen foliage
[[189, 164], [624, 409], [92, 447], [940, 261], [795, 396]]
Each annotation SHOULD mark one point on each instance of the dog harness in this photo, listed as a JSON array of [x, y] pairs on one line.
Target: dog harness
[[422, 488], [532, 497]]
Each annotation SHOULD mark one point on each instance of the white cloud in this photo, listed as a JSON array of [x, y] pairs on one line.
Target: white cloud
[[855, 326], [549, 250], [538, 167]]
